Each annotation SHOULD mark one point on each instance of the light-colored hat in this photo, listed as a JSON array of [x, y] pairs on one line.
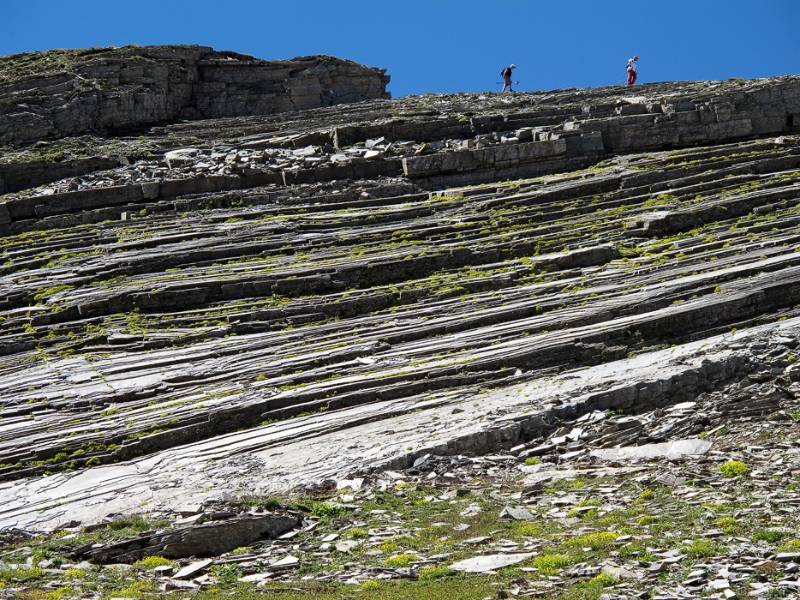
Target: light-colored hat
[[512, 66]]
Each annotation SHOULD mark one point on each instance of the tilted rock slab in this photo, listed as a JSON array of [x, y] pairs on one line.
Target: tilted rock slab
[[207, 539], [278, 458]]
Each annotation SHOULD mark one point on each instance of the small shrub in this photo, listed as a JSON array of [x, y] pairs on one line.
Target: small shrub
[[584, 514], [75, 573], [601, 580], [226, 573], [596, 541], [700, 549], [733, 468], [769, 535], [729, 525], [400, 560], [574, 513], [20, 575], [357, 533], [149, 563], [789, 546], [532, 460], [551, 564], [322, 510], [647, 494], [268, 503], [66, 591], [371, 584], [528, 528], [389, 546], [436, 572], [136, 523]]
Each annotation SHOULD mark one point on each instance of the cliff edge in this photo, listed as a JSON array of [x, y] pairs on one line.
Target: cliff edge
[[68, 92]]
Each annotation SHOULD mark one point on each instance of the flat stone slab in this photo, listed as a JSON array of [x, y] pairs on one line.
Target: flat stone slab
[[193, 569], [514, 513], [490, 562], [669, 450]]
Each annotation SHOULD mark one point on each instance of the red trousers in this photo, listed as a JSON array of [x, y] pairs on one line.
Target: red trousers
[[631, 76]]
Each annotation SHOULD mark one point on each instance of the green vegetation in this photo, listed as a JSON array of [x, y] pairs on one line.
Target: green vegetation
[[729, 525], [701, 548], [427, 573], [551, 564], [600, 540], [357, 533], [21, 575], [733, 468], [771, 536], [326, 510], [229, 573], [400, 560], [151, 562]]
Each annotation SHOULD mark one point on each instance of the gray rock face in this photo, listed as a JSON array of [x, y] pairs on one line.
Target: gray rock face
[[207, 539], [669, 450], [113, 89], [259, 303]]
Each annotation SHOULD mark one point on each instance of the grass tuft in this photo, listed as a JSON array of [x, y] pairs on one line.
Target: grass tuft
[[428, 573], [400, 560], [701, 549], [149, 563], [733, 468]]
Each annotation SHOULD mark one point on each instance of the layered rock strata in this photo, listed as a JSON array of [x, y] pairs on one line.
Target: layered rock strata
[[68, 92], [256, 303]]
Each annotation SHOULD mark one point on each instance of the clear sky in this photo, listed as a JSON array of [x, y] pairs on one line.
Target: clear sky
[[444, 45]]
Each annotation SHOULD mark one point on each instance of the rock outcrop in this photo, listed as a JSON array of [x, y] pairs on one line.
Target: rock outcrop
[[258, 303], [204, 538], [69, 92]]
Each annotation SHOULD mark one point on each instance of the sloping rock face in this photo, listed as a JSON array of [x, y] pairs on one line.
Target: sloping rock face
[[205, 539], [112, 89], [250, 304]]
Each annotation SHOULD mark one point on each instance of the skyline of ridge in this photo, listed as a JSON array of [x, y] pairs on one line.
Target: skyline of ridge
[[447, 52]]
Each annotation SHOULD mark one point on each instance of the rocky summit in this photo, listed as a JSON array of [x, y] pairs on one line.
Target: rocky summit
[[69, 92], [444, 346]]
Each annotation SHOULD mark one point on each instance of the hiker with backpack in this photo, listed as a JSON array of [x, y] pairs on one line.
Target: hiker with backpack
[[631, 66], [507, 73]]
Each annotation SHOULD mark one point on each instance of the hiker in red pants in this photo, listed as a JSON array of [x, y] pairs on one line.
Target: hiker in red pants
[[632, 70]]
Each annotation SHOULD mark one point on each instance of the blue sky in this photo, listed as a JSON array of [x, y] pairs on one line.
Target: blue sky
[[444, 45]]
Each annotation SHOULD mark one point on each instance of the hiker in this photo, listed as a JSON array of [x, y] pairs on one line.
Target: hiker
[[507, 73], [632, 70]]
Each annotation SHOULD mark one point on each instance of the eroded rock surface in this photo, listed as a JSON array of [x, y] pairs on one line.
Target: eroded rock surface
[[201, 539], [249, 305], [68, 92]]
